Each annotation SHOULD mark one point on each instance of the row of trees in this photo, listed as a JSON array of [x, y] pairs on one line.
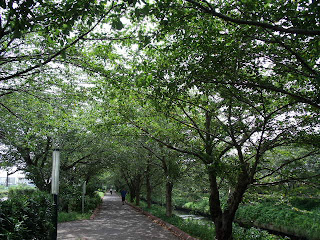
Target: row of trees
[[231, 88]]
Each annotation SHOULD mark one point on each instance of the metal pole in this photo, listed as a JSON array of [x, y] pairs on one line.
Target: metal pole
[[55, 217], [83, 194], [55, 189]]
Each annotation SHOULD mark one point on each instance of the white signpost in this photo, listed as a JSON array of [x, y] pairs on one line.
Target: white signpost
[[55, 188]]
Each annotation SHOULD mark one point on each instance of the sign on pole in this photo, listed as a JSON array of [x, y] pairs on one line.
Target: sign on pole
[[55, 172]]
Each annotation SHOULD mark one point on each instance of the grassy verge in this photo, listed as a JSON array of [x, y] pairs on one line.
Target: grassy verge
[[299, 216], [284, 217], [205, 230], [72, 216], [3, 193]]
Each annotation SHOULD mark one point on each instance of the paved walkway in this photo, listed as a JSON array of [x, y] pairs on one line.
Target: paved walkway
[[114, 221]]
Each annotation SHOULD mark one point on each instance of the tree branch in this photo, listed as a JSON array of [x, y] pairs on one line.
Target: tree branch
[[164, 143], [286, 180], [57, 53], [287, 163], [277, 28]]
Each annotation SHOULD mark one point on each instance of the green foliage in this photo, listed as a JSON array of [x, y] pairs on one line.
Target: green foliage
[[16, 192], [72, 202], [283, 216], [308, 204], [205, 230], [100, 194], [75, 207], [253, 234], [72, 216], [201, 205], [3, 192], [91, 202], [26, 215]]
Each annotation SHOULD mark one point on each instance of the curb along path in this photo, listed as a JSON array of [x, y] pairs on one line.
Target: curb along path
[[114, 221]]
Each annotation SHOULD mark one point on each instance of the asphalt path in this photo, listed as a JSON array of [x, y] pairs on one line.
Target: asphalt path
[[114, 221]]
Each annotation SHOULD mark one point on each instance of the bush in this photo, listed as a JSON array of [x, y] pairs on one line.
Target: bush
[[91, 202], [201, 205], [16, 192], [240, 233], [305, 203], [75, 207], [26, 216]]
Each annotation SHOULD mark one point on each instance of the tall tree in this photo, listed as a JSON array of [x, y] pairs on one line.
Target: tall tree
[[228, 127]]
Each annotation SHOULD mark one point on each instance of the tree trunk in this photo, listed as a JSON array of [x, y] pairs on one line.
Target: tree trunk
[[138, 188], [149, 190], [138, 194], [223, 227], [132, 193], [223, 220], [169, 187], [7, 180]]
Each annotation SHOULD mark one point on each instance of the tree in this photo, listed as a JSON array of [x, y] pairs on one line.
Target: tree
[[282, 35], [29, 30], [170, 165], [228, 127]]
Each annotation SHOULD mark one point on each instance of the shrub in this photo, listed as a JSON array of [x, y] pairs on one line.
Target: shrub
[[16, 192], [305, 203], [91, 202], [26, 216]]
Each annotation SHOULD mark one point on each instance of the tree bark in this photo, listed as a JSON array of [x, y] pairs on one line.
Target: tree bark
[[148, 186], [169, 187], [132, 193], [7, 180], [223, 219], [138, 188]]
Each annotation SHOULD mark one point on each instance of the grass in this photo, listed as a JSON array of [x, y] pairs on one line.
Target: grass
[[72, 216], [3, 192], [282, 215], [295, 215], [204, 230]]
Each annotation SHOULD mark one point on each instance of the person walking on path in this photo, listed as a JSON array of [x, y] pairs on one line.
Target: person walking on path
[[123, 196], [111, 191]]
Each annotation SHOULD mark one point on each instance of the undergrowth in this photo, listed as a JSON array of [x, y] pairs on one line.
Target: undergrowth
[[205, 230], [72, 216]]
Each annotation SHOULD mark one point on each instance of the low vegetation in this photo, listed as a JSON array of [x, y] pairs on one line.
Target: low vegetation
[[27, 214], [3, 192], [205, 230], [73, 216], [296, 216], [75, 213]]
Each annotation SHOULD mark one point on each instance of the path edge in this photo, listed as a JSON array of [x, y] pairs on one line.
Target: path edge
[[176, 231], [97, 210]]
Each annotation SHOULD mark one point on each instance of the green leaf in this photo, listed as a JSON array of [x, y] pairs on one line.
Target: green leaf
[[117, 24], [3, 4]]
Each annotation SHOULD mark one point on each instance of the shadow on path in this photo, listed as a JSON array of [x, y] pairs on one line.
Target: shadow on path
[[114, 221]]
